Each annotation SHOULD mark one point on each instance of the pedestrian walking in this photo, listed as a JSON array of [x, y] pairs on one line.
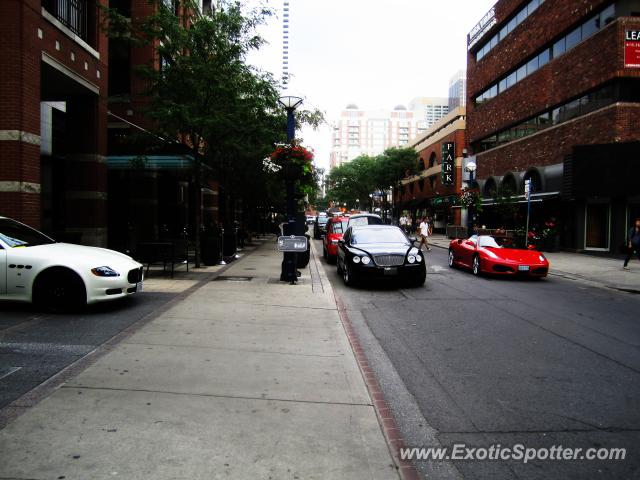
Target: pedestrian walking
[[403, 223], [424, 233], [633, 243]]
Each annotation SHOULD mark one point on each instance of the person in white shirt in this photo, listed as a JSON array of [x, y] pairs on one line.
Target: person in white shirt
[[403, 223], [424, 233]]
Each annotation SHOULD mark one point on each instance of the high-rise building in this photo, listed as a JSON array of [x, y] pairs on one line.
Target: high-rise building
[[429, 110], [458, 90], [370, 132]]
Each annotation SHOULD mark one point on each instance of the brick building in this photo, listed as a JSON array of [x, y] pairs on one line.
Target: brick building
[[76, 156], [53, 111], [552, 99], [425, 193]]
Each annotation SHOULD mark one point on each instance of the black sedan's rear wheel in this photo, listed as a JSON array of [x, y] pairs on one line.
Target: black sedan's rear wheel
[[475, 266], [59, 290]]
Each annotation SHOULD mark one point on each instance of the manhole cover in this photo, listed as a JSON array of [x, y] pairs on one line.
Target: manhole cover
[[233, 279]]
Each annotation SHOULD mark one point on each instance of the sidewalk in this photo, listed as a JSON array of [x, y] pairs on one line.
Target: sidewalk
[[601, 271], [245, 378]]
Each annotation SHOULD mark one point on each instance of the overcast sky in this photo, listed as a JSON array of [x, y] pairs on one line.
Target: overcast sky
[[376, 54]]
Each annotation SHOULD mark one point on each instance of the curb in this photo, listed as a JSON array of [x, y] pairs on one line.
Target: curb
[[387, 422], [30, 399]]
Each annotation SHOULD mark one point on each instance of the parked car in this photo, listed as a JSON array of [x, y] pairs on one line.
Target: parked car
[[320, 226], [36, 268], [496, 255], [365, 219], [336, 226], [379, 252]]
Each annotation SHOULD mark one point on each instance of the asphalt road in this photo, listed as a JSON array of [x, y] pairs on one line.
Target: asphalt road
[[484, 361], [35, 346]]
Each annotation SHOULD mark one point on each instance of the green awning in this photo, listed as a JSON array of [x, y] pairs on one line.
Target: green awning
[[149, 162]]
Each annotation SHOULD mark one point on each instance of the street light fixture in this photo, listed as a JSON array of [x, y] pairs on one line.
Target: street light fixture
[[471, 168], [288, 272]]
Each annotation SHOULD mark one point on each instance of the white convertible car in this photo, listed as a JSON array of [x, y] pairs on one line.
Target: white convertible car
[[35, 268]]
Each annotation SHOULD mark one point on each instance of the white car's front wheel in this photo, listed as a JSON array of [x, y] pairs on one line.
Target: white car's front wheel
[[59, 289]]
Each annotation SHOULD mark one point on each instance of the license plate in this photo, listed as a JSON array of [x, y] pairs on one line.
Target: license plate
[[139, 287], [523, 268], [390, 271]]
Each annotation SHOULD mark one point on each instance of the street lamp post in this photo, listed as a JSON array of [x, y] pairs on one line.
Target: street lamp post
[[471, 168], [289, 272]]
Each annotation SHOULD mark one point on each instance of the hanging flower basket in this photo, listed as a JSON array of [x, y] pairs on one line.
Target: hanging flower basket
[[469, 197], [294, 162]]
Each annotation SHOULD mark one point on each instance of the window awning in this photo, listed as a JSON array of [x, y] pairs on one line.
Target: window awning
[[149, 162]]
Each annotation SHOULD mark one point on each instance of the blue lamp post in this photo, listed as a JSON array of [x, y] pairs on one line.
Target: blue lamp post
[[471, 168], [288, 272]]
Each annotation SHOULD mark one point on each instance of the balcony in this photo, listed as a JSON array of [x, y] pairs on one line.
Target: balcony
[[73, 14]]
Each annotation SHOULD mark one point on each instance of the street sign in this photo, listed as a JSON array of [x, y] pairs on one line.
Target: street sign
[[292, 243], [527, 188], [448, 163]]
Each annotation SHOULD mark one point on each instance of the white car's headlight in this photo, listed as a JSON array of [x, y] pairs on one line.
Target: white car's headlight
[[411, 259], [419, 258], [366, 260], [356, 259], [104, 272]]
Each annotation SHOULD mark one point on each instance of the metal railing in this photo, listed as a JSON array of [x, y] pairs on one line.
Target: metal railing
[[73, 14]]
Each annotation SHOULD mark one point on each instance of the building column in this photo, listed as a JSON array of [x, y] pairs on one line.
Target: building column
[[86, 171], [19, 113]]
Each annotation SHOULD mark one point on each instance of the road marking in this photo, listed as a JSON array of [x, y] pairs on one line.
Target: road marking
[[11, 371]]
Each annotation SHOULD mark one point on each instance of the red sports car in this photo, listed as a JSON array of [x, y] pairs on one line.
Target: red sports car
[[336, 226], [496, 255]]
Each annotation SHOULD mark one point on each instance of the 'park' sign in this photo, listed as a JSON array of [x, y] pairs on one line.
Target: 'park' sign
[[448, 163]]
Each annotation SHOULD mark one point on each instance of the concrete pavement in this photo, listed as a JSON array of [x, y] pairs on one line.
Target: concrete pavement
[[246, 377], [595, 270]]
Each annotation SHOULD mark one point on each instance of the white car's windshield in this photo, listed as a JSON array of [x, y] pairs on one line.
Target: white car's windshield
[[382, 235], [15, 234]]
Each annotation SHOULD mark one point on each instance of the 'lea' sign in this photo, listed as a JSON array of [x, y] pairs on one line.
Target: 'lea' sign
[[632, 49]]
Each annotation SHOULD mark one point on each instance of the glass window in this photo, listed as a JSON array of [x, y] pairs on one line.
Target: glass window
[[544, 118], [555, 114], [558, 48], [573, 38], [479, 55], [543, 58], [532, 65], [608, 15], [511, 79], [522, 14], [533, 5], [502, 86], [504, 31], [493, 91], [479, 99], [521, 73], [15, 234], [590, 27], [504, 136], [494, 41], [512, 24]]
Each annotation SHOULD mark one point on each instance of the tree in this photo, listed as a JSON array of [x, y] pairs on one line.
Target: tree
[[391, 167], [352, 182], [205, 95]]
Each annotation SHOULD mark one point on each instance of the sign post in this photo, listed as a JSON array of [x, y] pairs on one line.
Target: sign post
[[527, 195]]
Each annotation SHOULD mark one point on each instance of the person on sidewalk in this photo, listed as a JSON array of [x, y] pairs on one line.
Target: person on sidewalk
[[633, 239], [424, 233], [403, 223]]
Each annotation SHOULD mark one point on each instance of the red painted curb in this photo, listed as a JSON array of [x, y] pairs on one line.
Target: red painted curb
[[392, 435]]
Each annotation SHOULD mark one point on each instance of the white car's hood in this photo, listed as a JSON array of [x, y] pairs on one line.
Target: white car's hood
[[77, 255]]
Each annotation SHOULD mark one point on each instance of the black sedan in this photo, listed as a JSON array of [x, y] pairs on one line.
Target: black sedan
[[380, 252]]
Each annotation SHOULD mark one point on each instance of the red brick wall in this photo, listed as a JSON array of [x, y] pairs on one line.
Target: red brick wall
[[610, 125], [566, 77]]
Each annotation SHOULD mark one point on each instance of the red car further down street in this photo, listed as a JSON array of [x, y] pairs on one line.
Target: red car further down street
[[496, 255], [335, 229]]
